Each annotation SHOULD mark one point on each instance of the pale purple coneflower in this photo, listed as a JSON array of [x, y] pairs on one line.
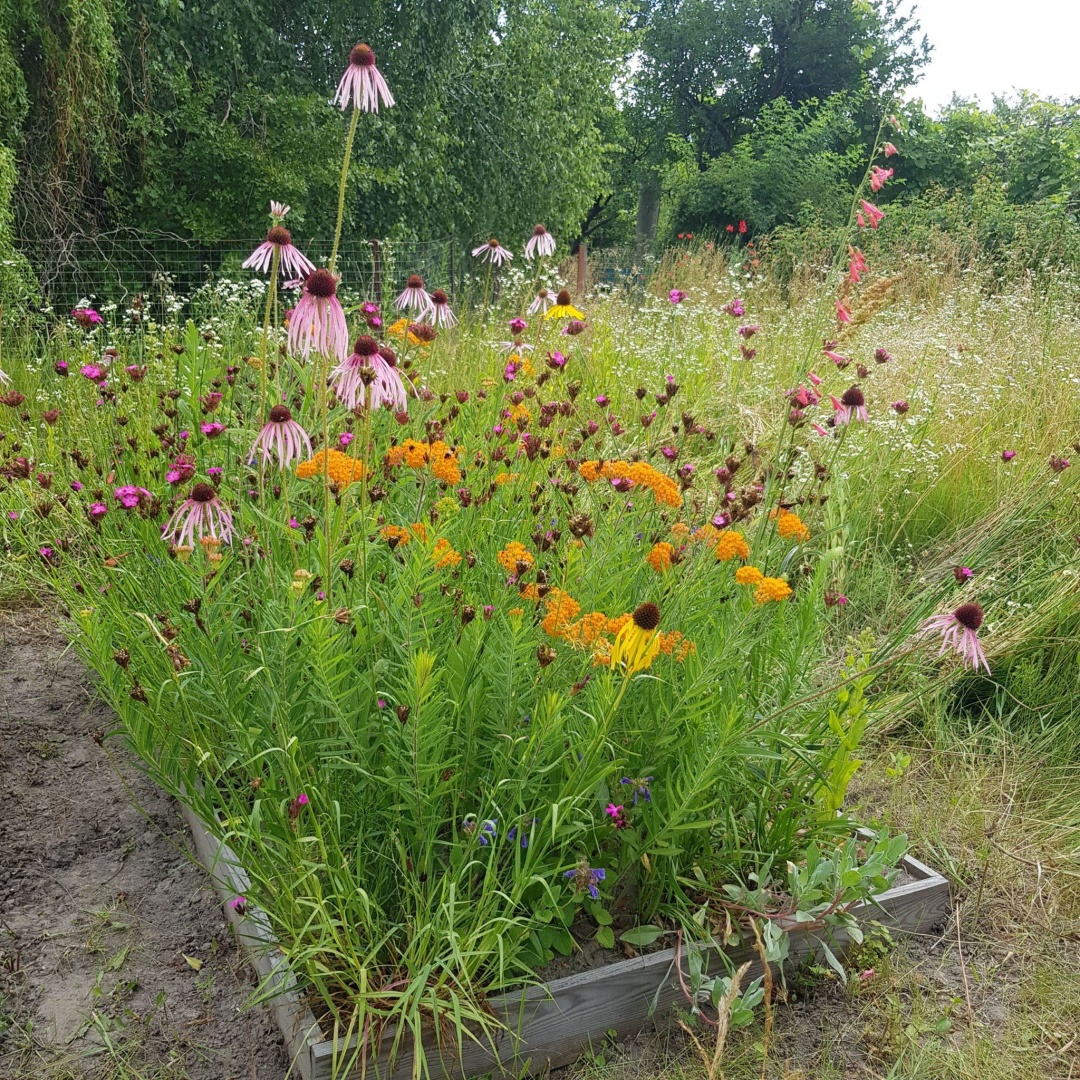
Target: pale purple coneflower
[[362, 85], [291, 259], [850, 406], [440, 313], [278, 210], [318, 322], [493, 252], [540, 243], [4, 378], [958, 630], [281, 437], [541, 302], [414, 297], [201, 514], [368, 366]]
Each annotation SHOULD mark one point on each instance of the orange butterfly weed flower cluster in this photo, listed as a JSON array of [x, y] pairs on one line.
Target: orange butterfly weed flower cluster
[[766, 589], [438, 455], [340, 468], [400, 535], [790, 526], [444, 555], [664, 489], [660, 557], [513, 554]]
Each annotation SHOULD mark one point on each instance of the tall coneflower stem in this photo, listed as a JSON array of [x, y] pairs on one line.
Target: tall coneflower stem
[[271, 290], [341, 187]]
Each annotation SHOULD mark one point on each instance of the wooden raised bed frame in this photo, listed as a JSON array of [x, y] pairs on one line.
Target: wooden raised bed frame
[[548, 1025]]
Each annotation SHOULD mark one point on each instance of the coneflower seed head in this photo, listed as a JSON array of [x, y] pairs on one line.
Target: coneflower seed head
[[563, 299], [280, 414], [321, 283], [970, 616], [415, 281], [362, 55], [539, 230], [365, 346], [647, 616], [388, 355], [202, 493], [853, 398], [279, 235], [438, 296]]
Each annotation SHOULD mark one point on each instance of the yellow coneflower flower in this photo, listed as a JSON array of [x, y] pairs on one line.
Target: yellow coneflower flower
[[637, 643], [563, 307]]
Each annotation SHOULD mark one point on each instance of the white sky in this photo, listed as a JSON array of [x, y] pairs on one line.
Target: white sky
[[983, 47]]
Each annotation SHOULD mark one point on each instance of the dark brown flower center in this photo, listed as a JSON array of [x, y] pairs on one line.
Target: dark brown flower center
[[543, 294], [388, 355], [202, 493], [321, 283], [279, 235], [362, 56], [439, 297], [415, 282], [563, 299], [969, 616], [280, 414], [539, 230], [424, 331], [853, 398], [365, 346], [646, 616], [493, 243]]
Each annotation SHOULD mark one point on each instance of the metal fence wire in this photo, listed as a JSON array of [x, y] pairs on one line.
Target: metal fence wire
[[117, 267]]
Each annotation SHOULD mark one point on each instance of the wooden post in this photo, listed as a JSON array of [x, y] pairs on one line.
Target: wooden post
[[582, 269], [376, 271]]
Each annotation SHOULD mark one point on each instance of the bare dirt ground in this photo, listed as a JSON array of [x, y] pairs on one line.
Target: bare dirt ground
[[100, 903]]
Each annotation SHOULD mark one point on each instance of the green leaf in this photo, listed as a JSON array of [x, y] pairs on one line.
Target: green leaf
[[640, 936], [605, 937]]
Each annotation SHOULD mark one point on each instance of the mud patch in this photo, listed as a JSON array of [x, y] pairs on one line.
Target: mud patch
[[114, 952]]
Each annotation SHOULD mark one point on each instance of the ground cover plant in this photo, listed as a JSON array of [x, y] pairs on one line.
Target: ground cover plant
[[476, 632]]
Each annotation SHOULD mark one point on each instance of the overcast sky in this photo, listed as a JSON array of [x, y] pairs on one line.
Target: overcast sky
[[983, 47]]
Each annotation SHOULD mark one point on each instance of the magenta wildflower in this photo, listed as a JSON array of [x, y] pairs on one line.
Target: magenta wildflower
[[518, 326], [292, 261], [618, 816], [1008, 455], [900, 407], [440, 312], [181, 470], [735, 308], [540, 243], [318, 322], [297, 805], [414, 297], [963, 573], [212, 430], [239, 905], [131, 497], [676, 296], [556, 360], [345, 438], [362, 85], [96, 511], [850, 406], [492, 252], [958, 631], [93, 372], [873, 214], [281, 437], [368, 367], [748, 331], [86, 317], [201, 514], [1059, 464], [136, 373], [878, 177], [211, 401], [573, 328]]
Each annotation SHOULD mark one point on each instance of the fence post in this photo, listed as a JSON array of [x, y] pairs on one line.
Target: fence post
[[453, 256], [376, 271], [582, 269]]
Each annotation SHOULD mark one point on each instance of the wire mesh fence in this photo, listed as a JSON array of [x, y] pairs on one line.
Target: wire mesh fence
[[118, 267], [128, 268]]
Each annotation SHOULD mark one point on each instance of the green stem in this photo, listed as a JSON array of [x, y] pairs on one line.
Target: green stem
[[341, 188]]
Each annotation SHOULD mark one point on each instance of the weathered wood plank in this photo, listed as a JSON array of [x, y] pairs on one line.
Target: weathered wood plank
[[297, 1023]]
